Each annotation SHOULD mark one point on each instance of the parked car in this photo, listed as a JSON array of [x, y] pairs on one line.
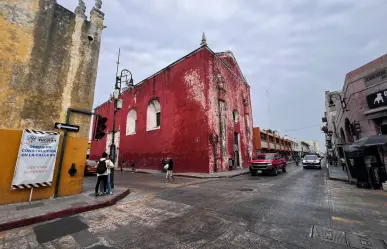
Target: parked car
[[267, 163], [312, 161], [90, 167]]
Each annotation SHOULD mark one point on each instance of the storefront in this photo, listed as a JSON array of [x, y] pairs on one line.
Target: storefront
[[377, 103]]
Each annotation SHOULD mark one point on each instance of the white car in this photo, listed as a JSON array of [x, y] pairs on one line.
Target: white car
[[312, 161]]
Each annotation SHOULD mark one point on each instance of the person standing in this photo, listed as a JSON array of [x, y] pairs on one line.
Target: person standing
[[110, 168], [133, 166], [122, 165], [163, 163], [103, 172], [170, 170], [334, 160], [343, 163]]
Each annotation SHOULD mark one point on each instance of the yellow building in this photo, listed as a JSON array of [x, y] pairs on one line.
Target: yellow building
[[48, 60]]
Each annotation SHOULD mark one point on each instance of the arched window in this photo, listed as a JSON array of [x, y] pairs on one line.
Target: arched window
[[342, 136], [153, 116], [131, 121], [348, 131], [235, 116]]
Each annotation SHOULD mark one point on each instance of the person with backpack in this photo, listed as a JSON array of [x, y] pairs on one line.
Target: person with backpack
[[103, 174]]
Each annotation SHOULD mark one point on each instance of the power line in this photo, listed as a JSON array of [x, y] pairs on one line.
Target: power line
[[303, 128]]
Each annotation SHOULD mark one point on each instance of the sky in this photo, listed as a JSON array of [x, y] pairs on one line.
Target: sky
[[290, 51]]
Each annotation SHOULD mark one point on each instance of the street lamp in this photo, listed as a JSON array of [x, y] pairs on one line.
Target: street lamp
[[342, 101], [127, 79]]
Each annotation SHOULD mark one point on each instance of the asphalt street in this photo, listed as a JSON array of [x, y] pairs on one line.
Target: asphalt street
[[301, 208]]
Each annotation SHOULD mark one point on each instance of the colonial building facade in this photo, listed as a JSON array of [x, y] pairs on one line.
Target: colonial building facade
[[196, 110], [360, 109]]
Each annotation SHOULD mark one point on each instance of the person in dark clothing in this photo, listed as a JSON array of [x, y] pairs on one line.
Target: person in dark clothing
[[334, 160], [170, 170], [133, 166], [103, 176], [122, 165]]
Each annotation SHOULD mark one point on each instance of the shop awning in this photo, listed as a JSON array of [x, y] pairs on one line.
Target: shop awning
[[376, 113], [369, 141]]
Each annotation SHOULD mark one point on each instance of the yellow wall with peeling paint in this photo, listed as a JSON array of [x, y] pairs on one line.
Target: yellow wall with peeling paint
[[75, 152], [15, 49], [47, 65]]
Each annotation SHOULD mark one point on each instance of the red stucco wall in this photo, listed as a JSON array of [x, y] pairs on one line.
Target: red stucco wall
[[188, 96]]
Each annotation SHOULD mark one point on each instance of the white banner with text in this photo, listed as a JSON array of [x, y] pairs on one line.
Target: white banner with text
[[36, 159]]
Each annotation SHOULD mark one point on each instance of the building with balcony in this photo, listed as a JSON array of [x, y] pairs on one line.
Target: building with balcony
[[264, 141]]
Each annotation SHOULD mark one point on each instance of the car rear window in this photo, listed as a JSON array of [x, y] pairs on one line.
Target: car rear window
[[264, 157], [91, 162], [310, 157]]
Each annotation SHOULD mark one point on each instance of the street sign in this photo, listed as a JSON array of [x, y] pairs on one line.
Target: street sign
[[68, 127]]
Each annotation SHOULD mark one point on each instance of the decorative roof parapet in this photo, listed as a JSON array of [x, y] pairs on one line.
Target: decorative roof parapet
[[98, 4], [204, 40], [81, 9]]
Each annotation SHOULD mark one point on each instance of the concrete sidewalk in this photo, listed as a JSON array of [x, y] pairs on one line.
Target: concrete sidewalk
[[26, 213], [224, 174], [337, 173]]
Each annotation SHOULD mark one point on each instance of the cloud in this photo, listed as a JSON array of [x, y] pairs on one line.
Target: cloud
[[295, 49]]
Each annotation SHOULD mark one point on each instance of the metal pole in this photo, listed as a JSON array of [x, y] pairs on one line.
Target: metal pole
[[62, 152], [113, 150], [63, 147]]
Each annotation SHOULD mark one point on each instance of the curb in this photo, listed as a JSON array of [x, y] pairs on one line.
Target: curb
[[212, 177], [62, 213], [337, 179]]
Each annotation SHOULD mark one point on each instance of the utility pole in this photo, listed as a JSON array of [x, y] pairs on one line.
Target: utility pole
[[113, 149], [126, 78], [268, 105]]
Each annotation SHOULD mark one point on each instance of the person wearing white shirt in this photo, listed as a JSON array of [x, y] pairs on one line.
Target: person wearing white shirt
[[103, 174]]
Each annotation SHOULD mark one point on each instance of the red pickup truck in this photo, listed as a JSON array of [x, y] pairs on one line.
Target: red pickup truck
[[267, 162]]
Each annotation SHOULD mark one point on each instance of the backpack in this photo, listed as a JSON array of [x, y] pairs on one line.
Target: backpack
[[101, 168]]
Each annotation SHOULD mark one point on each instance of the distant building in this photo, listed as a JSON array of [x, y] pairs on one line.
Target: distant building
[[196, 110], [314, 146], [264, 141]]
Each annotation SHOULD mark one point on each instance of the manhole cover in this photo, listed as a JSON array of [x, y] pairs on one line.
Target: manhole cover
[[246, 189], [329, 235], [58, 228], [364, 242]]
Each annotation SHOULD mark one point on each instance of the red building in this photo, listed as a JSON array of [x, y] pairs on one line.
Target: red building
[[196, 110]]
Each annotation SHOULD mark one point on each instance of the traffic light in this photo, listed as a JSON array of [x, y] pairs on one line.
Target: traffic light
[[100, 128]]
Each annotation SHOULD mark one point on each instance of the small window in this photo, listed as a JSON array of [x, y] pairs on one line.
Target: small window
[[131, 121], [235, 116], [158, 119], [153, 116], [263, 137]]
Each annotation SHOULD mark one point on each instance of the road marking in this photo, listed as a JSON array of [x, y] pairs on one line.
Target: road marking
[[346, 220]]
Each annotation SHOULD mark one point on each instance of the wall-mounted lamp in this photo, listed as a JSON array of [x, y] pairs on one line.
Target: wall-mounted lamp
[[342, 101], [116, 93], [119, 104]]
